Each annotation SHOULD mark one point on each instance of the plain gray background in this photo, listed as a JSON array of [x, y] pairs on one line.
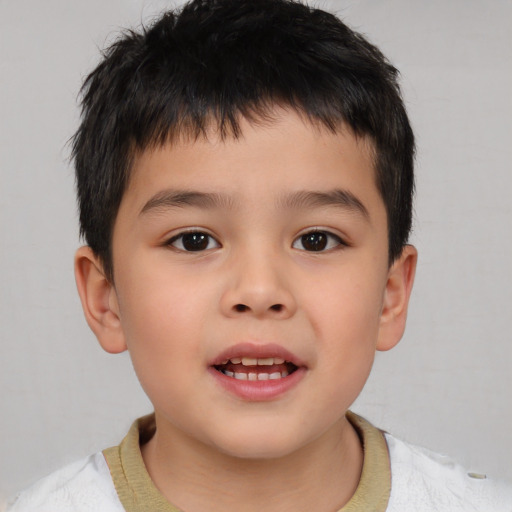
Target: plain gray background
[[448, 383]]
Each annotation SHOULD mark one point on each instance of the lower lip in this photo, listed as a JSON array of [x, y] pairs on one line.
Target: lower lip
[[259, 390]]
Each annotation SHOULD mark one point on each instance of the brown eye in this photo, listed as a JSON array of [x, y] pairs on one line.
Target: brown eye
[[316, 241], [194, 241]]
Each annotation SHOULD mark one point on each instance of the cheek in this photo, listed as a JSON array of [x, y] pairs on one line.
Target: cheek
[[159, 298], [346, 318], [163, 323], [348, 307]]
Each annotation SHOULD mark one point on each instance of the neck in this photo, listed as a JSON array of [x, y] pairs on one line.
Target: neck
[[195, 477]]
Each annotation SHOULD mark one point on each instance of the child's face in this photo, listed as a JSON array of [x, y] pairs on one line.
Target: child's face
[[214, 259]]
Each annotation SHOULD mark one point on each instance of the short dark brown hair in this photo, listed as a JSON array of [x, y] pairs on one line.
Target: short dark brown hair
[[215, 61]]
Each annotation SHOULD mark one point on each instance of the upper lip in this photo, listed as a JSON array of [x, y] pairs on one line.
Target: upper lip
[[257, 350]]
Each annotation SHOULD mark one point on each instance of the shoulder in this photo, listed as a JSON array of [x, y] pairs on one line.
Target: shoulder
[[84, 486], [424, 481]]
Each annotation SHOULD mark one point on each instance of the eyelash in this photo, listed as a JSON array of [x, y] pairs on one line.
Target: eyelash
[[331, 241]]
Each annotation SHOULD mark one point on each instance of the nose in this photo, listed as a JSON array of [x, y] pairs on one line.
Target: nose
[[258, 287]]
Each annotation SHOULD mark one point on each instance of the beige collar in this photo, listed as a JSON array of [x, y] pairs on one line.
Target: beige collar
[[137, 492]]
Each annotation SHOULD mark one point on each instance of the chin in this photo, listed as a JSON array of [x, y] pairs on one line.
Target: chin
[[258, 452], [263, 444]]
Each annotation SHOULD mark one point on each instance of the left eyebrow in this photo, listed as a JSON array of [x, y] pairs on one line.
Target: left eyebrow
[[337, 198]]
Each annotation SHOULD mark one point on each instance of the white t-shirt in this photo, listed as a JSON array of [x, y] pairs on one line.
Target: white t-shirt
[[421, 481]]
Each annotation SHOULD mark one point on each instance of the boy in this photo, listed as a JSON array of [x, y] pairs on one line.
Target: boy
[[245, 177]]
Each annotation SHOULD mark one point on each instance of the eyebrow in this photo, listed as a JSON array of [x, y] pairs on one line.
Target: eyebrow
[[337, 198], [303, 199], [182, 198]]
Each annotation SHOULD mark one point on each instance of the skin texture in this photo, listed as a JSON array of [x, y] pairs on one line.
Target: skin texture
[[177, 311]]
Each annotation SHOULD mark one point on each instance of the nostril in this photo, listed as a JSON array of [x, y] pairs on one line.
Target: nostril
[[242, 308]]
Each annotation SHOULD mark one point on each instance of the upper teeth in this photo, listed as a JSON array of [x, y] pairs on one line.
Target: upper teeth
[[253, 361]]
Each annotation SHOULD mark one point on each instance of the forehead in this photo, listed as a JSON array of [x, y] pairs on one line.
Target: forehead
[[268, 161]]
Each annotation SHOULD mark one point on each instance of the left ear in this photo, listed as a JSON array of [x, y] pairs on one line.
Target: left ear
[[396, 298]]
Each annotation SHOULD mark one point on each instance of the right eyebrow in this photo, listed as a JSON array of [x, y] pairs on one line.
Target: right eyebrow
[[180, 198]]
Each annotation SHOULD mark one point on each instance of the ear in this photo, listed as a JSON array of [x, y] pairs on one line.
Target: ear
[[99, 301], [396, 298]]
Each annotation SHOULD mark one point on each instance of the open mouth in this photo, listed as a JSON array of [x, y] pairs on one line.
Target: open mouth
[[256, 369]]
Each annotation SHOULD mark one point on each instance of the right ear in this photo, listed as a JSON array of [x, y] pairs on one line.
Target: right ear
[[99, 301]]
